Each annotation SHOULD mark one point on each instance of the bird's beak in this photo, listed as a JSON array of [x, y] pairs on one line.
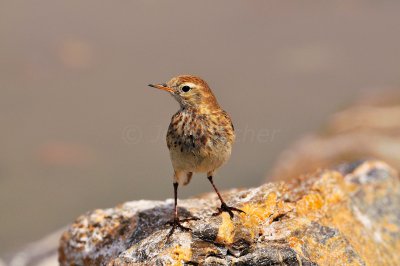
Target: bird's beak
[[161, 87]]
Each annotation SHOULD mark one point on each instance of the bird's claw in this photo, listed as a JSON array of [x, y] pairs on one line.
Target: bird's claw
[[177, 223], [228, 209]]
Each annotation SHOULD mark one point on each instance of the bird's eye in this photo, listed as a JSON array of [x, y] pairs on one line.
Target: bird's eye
[[185, 88]]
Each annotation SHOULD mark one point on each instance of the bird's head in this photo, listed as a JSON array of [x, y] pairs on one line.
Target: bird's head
[[190, 92]]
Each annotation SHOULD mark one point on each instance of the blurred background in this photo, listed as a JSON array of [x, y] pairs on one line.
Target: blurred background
[[80, 129]]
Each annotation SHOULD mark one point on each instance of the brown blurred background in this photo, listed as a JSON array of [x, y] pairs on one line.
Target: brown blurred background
[[80, 129]]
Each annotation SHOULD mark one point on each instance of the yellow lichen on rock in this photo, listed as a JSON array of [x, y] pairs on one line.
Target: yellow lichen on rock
[[226, 231], [257, 213], [333, 187], [180, 255], [365, 241], [310, 202], [331, 252], [361, 237], [345, 216]]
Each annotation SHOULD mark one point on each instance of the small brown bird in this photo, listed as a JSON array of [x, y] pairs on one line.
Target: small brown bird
[[199, 137]]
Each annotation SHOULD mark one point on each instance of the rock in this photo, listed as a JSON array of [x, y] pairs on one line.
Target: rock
[[370, 129], [349, 215]]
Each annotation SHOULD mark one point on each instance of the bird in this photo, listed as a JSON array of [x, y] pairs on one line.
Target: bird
[[199, 138]]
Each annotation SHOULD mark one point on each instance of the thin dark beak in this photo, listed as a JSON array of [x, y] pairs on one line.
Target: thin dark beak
[[161, 87]]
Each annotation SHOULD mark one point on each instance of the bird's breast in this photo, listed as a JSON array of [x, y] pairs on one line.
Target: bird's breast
[[195, 139]]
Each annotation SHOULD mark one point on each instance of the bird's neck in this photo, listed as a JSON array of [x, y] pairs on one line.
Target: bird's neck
[[200, 109]]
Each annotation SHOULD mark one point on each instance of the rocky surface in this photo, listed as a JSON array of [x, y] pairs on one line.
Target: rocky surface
[[346, 216], [368, 129]]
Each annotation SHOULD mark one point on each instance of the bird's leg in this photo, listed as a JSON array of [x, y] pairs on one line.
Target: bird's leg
[[176, 223], [224, 207]]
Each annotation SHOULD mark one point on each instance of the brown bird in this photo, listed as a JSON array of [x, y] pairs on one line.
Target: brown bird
[[199, 138]]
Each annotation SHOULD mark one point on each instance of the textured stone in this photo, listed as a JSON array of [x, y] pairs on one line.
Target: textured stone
[[346, 216]]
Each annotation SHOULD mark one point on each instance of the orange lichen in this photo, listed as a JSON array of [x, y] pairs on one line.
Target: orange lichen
[[257, 213], [180, 255], [336, 197], [393, 228], [254, 214], [260, 211], [296, 244], [358, 236], [310, 202], [226, 231], [328, 219], [333, 252]]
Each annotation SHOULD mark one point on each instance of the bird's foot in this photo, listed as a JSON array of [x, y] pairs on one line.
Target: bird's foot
[[228, 209], [177, 223]]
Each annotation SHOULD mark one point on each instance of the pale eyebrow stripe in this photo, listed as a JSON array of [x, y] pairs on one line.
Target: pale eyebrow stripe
[[190, 84]]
